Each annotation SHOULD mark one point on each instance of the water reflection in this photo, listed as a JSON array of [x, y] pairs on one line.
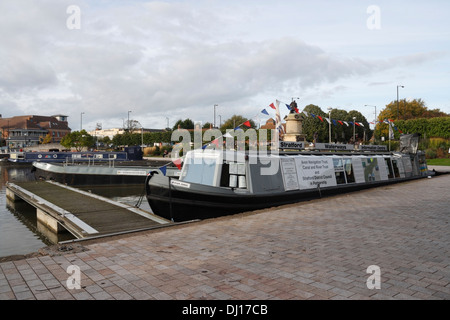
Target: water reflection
[[21, 233], [18, 228]]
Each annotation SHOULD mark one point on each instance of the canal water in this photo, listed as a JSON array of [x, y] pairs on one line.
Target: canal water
[[20, 233]]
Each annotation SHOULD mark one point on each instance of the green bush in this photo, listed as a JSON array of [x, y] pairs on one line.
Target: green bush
[[430, 154]]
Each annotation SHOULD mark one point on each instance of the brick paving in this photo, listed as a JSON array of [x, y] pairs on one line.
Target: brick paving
[[316, 250]]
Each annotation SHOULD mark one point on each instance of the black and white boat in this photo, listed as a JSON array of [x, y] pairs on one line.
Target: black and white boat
[[214, 183]]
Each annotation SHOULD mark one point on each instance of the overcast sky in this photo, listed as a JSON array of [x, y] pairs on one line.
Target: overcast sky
[[177, 59]]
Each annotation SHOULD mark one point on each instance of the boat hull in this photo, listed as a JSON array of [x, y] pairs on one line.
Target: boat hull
[[78, 179], [196, 202], [82, 175]]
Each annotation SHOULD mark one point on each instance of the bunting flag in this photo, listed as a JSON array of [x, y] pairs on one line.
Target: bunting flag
[[247, 123], [350, 122], [334, 122], [328, 120], [320, 118], [306, 113], [264, 111], [346, 123], [357, 124], [340, 122], [313, 115], [272, 106], [288, 106], [216, 142], [163, 169], [177, 162]]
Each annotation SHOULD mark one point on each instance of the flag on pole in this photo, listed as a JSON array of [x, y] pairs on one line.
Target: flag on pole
[[278, 117]]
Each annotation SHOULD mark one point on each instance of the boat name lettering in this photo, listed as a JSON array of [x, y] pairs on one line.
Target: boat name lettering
[[180, 184]]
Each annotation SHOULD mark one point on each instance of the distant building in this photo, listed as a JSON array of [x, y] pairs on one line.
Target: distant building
[[271, 124], [102, 133], [28, 131]]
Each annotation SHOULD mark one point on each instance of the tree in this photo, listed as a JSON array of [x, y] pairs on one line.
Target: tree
[[313, 128], [317, 130], [184, 124], [340, 132], [361, 131], [47, 139], [78, 140], [207, 125], [236, 120], [407, 110]]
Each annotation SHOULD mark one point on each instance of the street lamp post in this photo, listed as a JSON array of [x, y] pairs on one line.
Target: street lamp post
[[397, 100], [128, 124], [329, 124], [216, 105], [81, 121]]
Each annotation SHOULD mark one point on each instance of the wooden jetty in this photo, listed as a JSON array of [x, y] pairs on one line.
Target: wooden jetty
[[83, 214]]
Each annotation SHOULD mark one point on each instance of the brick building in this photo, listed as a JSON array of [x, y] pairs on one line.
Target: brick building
[[28, 131]]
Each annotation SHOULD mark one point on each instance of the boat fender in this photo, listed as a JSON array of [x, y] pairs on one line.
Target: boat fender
[[318, 188]]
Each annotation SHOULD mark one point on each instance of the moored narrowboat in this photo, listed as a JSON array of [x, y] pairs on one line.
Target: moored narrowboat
[[214, 183]]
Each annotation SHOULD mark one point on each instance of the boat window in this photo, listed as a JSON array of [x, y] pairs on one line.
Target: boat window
[[395, 167], [225, 176], [202, 173], [339, 171], [389, 165], [340, 177], [233, 175], [348, 168]]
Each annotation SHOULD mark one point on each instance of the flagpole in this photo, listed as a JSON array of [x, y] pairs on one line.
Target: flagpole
[[389, 132]]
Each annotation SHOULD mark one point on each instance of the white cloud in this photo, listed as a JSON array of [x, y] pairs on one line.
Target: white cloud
[[168, 59]]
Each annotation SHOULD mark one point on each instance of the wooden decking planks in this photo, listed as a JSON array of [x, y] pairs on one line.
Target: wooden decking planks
[[102, 214]]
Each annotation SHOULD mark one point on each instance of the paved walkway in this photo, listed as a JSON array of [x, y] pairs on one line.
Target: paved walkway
[[314, 250]]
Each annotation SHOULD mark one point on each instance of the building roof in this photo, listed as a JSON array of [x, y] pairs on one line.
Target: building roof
[[33, 122]]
